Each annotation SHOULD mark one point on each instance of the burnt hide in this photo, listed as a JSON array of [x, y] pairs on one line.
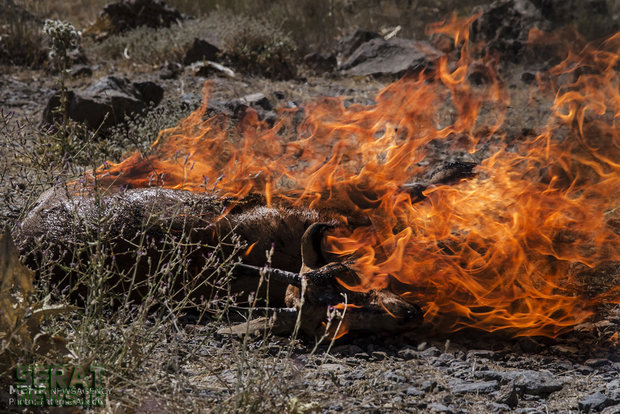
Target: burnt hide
[[141, 229]]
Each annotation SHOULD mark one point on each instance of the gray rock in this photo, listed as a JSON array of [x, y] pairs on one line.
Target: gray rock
[[431, 352], [612, 390], [538, 383], [378, 355], [349, 44], [439, 408], [414, 392], [407, 354], [257, 100], [393, 57], [483, 387], [203, 48], [595, 402], [106, 102], [362, 355], [480, 353], [392, 376], [428, 386]]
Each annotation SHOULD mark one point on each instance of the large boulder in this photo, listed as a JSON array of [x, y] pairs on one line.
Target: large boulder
[[129, 14], [349, 44], [106, 102], [393, 57]]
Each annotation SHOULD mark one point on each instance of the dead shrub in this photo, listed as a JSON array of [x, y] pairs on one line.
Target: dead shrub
[[259, 48], [22, 43]]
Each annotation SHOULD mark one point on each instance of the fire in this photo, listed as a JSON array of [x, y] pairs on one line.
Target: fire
[[510, 249]]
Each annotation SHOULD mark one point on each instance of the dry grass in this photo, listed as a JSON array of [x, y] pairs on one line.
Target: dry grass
[[155, 356]]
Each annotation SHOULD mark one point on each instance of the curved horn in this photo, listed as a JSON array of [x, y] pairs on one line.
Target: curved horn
[[311, 251]]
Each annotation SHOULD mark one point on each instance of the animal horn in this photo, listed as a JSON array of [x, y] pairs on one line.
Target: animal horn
[[311, 251]]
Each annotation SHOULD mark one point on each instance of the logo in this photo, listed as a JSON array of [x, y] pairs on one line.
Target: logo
[[58, 386]]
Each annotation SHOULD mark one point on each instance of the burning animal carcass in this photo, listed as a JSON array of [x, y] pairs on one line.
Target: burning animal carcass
[[507, 246]]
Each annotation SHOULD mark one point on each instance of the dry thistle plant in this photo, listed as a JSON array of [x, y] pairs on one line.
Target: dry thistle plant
[[63, 37]]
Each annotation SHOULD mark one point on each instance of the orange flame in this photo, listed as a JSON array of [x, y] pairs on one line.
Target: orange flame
[[505, 250]]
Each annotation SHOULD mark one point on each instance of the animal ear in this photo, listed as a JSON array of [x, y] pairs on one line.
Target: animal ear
[[311, 246]]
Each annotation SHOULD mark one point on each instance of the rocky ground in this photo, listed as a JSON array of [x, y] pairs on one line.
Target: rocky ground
[[190, 366]]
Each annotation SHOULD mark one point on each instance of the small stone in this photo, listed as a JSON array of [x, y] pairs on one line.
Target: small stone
[[439, 408], [484, 387], [480, 353], [413, 391], [391, 376], [362, 355], [407, 354], [428, 386], [431, 352], [379, 355], [595, 402], [257, 100], [422, 346]]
